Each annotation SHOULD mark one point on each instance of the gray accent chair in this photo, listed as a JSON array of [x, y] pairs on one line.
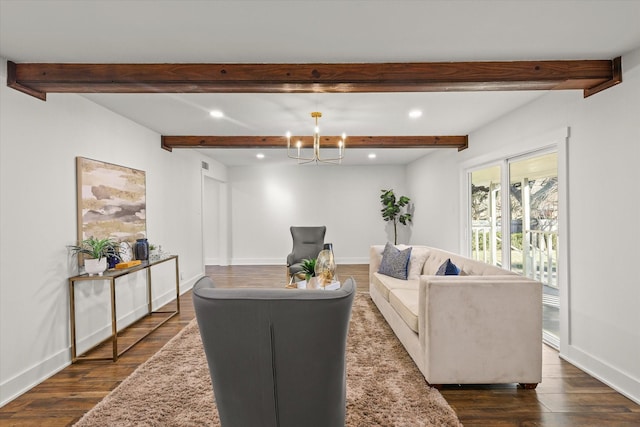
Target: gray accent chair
[[277, 357], [307, 243]]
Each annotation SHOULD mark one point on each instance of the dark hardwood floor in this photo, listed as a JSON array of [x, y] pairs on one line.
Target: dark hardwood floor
[[566, 397]]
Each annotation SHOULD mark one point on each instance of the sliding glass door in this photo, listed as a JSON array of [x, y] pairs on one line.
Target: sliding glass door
[[533, 196], [517, 228]]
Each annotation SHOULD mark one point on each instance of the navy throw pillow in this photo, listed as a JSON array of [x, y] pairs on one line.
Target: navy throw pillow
[[395, 263], [448, 269]]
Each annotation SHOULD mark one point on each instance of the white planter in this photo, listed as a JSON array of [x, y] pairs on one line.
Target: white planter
[[94, 266], [155, 255]]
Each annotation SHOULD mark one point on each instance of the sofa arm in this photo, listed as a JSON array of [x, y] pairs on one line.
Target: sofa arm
[[375, 258], [481, 329]]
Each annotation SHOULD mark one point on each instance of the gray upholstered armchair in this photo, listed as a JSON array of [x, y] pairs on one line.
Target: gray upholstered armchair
[[307, 243], [277, 357]]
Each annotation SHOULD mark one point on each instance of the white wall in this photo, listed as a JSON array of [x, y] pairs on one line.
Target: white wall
[[39, 142], [211, 221], [434, 186], [266, 201], [603, 327]]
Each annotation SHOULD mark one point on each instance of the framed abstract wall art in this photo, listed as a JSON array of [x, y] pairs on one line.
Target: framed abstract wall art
[[111, 201]]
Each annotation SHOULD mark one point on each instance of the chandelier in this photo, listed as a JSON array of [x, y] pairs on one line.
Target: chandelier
[[316, 147]]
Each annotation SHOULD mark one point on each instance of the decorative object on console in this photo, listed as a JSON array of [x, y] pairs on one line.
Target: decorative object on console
[[395, 262], [155, 252], [95, 266], [316, 146], [125, 251], [96, 252], [392, 210], [112, 261], [141, 249], [325, 268], [128, 264]]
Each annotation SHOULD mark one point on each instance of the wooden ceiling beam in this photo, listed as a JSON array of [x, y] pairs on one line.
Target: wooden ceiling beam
[[38, 79], [458, 141]]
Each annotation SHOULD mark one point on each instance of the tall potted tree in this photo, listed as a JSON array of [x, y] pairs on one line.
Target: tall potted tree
[[395, 210]]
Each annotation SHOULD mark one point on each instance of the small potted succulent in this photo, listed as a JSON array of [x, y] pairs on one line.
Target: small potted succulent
[[309, 268], [96, 252]]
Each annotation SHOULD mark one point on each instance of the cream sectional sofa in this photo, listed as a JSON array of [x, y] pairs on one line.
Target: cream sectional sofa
[[483, 326]]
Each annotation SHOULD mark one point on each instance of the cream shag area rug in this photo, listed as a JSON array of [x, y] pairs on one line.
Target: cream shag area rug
[[384, 387]]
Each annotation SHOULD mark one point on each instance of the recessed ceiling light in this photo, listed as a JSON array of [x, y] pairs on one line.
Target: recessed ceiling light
[[217, 114], [260, 156], [414, 114], [372, 155]]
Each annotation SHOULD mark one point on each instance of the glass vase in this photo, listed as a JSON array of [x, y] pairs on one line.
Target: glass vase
[[325, 266], [141, 249]]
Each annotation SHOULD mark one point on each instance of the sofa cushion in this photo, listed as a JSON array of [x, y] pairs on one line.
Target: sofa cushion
[[448, 269], [395, 262], [405, 303], [384, 284], [416, 262]]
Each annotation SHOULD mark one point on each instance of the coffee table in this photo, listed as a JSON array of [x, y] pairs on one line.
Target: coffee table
[[312, 283]]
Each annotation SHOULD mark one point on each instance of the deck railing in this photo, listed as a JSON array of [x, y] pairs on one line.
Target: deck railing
[[540, 256], [537, 258], [485, 241]]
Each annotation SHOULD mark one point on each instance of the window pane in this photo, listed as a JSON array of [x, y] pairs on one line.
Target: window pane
[[486, 215], [533, 195]]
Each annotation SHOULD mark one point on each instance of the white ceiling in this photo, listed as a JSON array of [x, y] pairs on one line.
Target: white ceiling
[[139, 31]]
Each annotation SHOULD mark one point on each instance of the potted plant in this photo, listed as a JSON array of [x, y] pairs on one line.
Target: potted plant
[[309, 268], [96, 252], [392, 210]]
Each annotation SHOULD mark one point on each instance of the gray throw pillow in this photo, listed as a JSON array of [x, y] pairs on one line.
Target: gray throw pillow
[[395, 263]]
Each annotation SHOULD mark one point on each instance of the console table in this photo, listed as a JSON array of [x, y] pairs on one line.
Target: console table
[[111, 276]]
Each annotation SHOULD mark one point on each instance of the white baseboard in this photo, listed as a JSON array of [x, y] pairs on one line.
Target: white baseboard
[[185, 285], [352, 260], [33, 376], [127, 319], [259, 261], [550, 339], [282, 261], [620, 381]]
